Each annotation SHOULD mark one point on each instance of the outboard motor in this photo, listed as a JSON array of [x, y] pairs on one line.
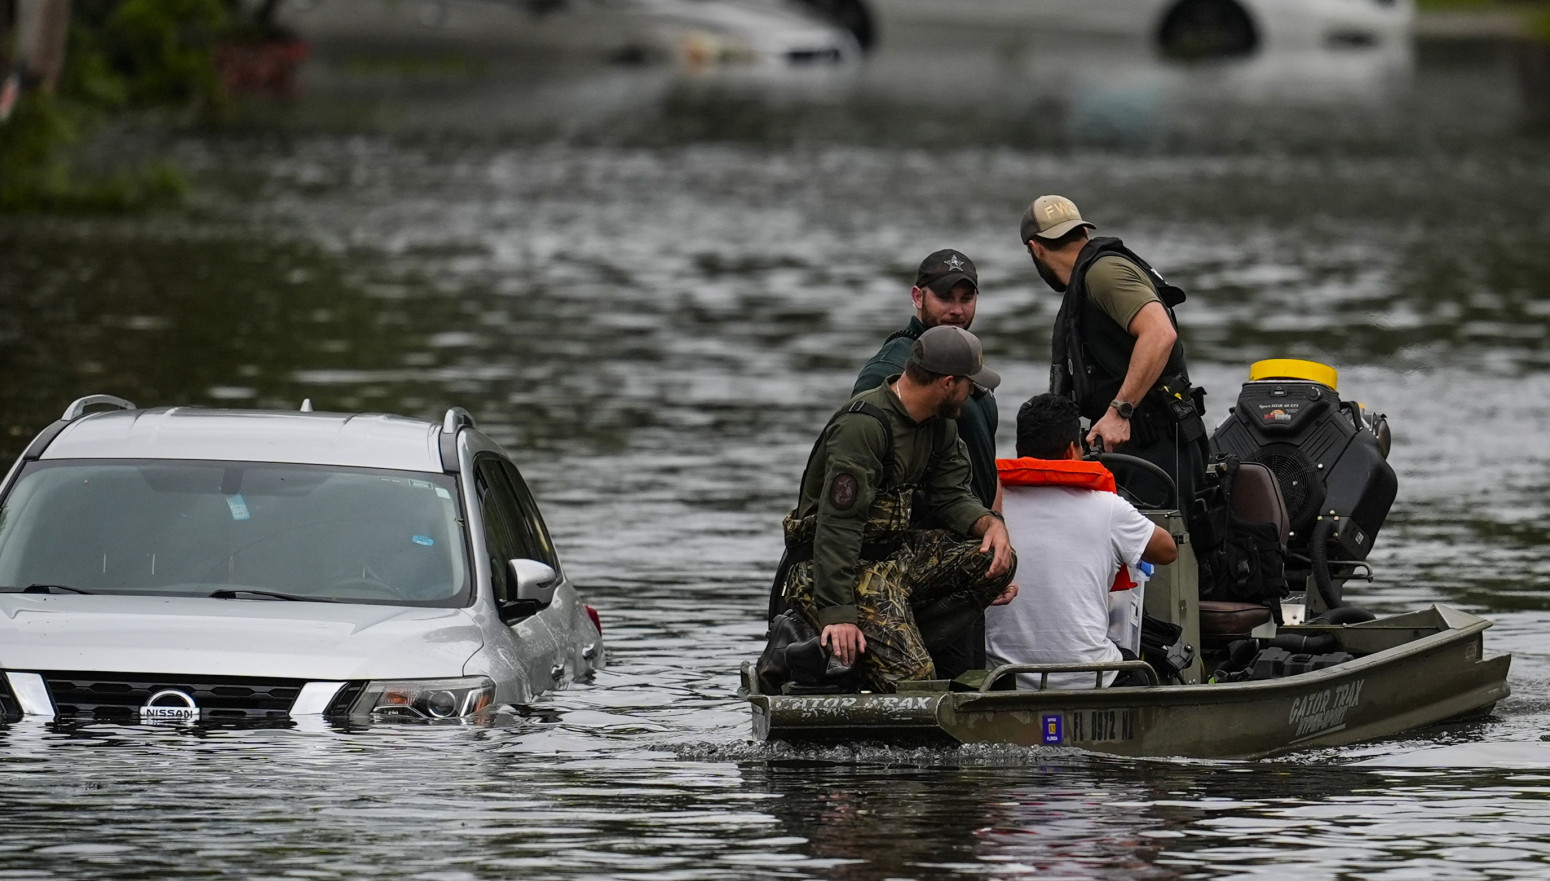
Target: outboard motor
[[1329, 457]]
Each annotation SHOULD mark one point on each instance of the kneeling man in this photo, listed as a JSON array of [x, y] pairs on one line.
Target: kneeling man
[[880, 593], [1073, 534]]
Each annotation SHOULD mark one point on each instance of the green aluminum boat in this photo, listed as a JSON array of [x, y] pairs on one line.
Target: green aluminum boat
[[1245, 679], [1410, 671]]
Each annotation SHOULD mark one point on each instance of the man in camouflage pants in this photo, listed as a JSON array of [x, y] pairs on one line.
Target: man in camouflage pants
[[877, 590]]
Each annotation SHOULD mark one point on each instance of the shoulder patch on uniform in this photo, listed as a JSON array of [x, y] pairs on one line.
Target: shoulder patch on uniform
[[843, 491]]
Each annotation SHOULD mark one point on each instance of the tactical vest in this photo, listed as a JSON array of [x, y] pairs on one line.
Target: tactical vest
[[1090, 353], [893, 503]]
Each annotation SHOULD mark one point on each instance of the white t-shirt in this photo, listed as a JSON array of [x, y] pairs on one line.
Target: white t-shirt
[[1069, 543]]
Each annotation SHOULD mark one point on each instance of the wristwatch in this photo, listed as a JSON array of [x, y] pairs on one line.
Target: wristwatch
[[1124, 408]]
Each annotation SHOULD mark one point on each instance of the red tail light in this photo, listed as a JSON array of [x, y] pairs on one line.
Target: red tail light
[[596, 620]]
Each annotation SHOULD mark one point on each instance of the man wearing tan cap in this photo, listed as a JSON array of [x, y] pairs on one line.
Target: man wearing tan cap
[[1116, 350], [880, 594]]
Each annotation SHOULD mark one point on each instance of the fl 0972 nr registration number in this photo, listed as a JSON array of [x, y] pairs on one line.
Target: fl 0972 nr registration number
[[1089, 726]]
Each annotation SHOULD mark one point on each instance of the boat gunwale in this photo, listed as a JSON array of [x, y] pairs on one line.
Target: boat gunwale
[[1452, 625], [1448, 632]]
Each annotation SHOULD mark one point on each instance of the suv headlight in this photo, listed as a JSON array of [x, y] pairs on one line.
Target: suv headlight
[[424, 698]]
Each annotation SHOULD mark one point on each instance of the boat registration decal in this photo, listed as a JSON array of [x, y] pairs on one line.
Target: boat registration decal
[[1052, 728], [1324, 710], [1096, 726]]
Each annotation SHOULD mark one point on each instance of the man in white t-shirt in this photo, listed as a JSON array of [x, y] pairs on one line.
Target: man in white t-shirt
[[1073, 535]]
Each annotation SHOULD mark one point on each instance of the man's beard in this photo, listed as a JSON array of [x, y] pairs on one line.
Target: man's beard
[[950, 409], [934, 321], [1049, 276]]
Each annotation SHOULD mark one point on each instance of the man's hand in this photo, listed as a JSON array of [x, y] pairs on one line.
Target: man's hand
[[1006, 596], [1155, 336], [845, 640], [995, 541], [1112, 428]]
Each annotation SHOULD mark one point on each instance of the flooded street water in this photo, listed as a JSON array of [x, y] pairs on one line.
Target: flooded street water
[[654, 289]]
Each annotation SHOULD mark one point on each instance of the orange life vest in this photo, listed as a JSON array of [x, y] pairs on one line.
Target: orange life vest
[[1072, 473]]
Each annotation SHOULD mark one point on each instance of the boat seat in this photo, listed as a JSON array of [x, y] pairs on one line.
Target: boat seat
[[1224, 620], [1256, 497]]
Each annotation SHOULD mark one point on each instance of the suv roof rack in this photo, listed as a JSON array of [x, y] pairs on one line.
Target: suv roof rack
[[77, 408], [456, 418], [75, 411]]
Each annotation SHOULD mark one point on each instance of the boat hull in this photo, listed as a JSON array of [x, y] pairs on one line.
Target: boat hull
[[1414, 670]]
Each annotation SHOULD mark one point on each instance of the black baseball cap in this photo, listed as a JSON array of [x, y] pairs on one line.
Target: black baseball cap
[[945, 268]]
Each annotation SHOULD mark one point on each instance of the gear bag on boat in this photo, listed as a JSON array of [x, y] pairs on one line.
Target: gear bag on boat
[[1240, 533]]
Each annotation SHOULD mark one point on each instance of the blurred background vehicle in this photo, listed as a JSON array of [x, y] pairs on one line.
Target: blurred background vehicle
[[1178, 28], [704, 32], [694, 33]]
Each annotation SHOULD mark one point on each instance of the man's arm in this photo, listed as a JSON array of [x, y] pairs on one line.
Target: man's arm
[[949, 486], [1135, 538], [1160, 548], [853, 466], [952, 499], [1155, 337], [996, 541], [1011, 589]]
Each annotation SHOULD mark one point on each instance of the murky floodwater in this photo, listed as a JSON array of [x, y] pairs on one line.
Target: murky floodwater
[[656, 304]]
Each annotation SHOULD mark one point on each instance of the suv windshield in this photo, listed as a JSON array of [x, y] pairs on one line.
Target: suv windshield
[[233, 529]]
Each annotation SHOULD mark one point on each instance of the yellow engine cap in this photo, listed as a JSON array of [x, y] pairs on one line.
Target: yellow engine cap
[[1291, 368]]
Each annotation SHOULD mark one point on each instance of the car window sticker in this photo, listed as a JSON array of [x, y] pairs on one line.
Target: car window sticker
[[238, 506]]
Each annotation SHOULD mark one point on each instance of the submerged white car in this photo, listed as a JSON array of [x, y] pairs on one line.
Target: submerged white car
[[697, 34], [1182, 28], [231, 566]]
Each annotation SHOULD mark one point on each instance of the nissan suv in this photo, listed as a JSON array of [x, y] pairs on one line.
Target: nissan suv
[[208, 566]]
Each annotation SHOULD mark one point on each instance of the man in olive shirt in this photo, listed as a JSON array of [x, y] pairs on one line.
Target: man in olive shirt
[[946, 292], [1116, 350], [871, 584]]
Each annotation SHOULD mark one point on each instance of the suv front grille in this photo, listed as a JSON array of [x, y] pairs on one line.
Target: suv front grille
[[119, 696]]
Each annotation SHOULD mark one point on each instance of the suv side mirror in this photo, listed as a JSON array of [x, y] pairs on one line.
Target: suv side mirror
[[536, 581]]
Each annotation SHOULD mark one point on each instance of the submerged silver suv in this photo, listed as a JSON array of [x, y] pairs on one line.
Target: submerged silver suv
[[239, 565]]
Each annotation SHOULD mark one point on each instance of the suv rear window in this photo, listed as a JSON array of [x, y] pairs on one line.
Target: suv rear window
[[197, 528]]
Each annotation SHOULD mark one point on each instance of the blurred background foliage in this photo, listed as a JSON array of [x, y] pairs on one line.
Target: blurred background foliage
[[126, 62]]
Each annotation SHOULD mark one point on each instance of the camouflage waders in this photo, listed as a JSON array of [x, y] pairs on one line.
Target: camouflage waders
[[917, 587]]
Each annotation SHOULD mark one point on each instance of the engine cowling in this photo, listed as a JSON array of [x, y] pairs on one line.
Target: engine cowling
[[1328, 455]]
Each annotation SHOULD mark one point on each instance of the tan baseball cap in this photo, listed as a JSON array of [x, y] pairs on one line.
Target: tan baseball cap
[[1050, 217], [953, 351]]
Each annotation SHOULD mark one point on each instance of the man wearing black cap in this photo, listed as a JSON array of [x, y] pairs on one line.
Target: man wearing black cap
[[1116, 350], [946, 292], [881, 593]]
